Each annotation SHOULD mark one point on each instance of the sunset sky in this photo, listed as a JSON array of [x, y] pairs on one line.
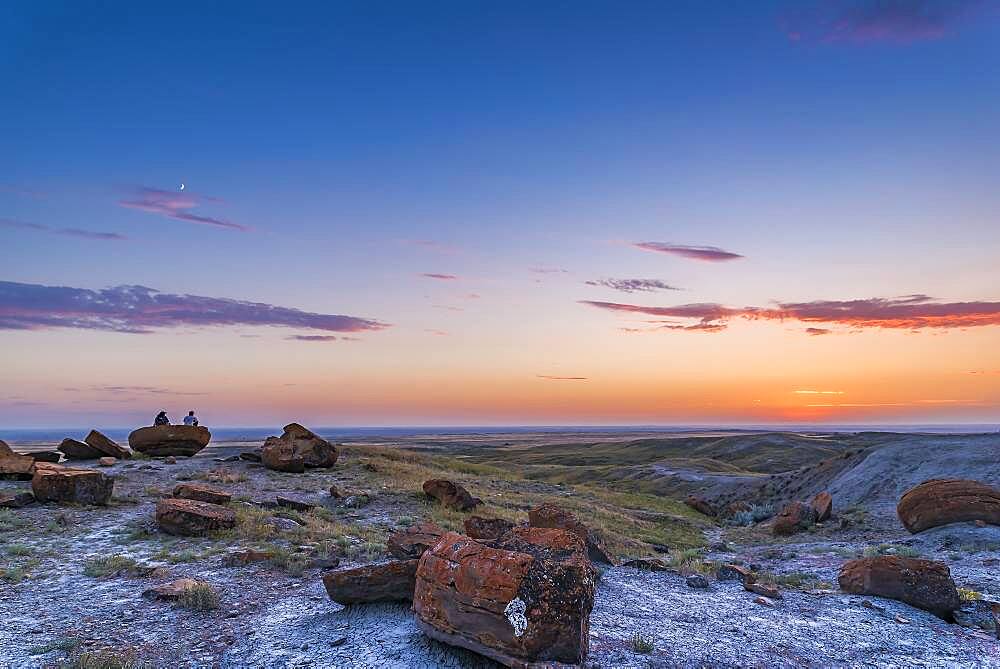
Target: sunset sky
[[466, 213]]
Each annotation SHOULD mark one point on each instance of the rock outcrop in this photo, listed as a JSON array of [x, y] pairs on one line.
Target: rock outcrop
[[552, 516], [77, 450], [451, 494], [202, 493], [925, 584], [16, 467], [527, 600], [187, 517], [386, 582], [169, 440], [54, 483], [945, 501], [795, 517], [296, 450], [5, 449], [411, 543], [487, 529], [822, 506], [15, 500], [106, 446]]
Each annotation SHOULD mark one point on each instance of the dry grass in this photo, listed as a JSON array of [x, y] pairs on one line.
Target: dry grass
[[200, 597]]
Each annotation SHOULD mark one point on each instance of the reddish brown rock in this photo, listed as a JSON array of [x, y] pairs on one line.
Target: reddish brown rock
[[822, 505], [44, 456], [77, 450], [762, 589], [487, 529], [172, 591], [161, 441], [243, 557], [527, 600], [188, 517], [552, 516], [17, 467], [700, 505], [202, 493], [296, 450], [649, 564], [925, 584], [451, 495], [53, 483], [944, 501], [5, 449], [15, 500], [293, 503], [106, 462], [387, 582], [106, 446], [795, 517], [734, 572], [411, 543]]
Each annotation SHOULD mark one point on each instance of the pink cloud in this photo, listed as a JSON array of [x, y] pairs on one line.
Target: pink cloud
[[818, 332], [439, 277], [703, 253], [632, 285], [869, 21], [562, 378], [176, 205]]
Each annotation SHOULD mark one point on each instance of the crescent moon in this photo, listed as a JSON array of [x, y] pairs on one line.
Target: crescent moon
[[182, 186]]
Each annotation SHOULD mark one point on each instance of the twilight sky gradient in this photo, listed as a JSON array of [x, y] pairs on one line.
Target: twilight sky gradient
[[500, 213]]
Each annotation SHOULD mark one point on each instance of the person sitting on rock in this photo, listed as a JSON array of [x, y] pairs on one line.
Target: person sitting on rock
[[161, 419], [191, 419]]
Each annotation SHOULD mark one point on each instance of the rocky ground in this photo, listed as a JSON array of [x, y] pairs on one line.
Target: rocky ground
[[61, 607]]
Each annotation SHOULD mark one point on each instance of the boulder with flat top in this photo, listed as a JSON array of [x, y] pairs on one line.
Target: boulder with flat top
[[78, 450], [202, 493], [550, 515], [944, 501], [925, 584], [410, 544], [53, 483], [17, 467], [188, 517], [169, 440], [385, 582], [296, 450]]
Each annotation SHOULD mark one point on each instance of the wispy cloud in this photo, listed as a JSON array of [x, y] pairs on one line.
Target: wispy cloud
[[312, 338], [69, 232], [436, 333], [818, 392], [134, 390], [137, 309], [703, 253], [176, 205], [562, 378], [911, 312], [818, 332], [867, 21], [548, 270], [439, 277], [633, 285]]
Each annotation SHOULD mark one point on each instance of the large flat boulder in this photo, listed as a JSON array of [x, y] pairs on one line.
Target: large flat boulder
[[296, 450], [187, 517], [945, 501], [450, 494], [106, 446], [17, 467], [170, 440], [202, 493], [925, 584], [528, 600], [386, 582], [53, 483], [411, 543], [552, 516], [78, 450]]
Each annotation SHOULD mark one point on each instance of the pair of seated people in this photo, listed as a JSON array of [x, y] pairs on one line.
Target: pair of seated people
[[161, 419]]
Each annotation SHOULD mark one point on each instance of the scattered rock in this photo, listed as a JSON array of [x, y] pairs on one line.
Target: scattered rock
[[649, 564], [386, 582], [764, 590], [411, 543], [487, 529], [251, 456], [292, 503], [550, 515], [172, 591], [943, 501], [188, 517], [17, 467], [285, 524], [451, 495], [795, 517], [202, 493], [734, 572], [339, 641], [106, 446], [527, 599], [43, 456], [63, 484], [700, 505], [170, 460], [697, 581], [763, 601], [229, 458], [170, 440], [297, 449], [978, 614], [106, 462], [925, 584], [15, 500], [77, 450], [243, 557], [822, 505]]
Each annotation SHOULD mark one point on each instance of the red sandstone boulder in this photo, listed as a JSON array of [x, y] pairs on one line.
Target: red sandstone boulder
[[15, 500], [700, 505], [527, 600], [53, 483], [106, 446], [44, 456], [17, 467], [487, 529], [387, 582], [296, 450], [202, 493], [451, 495], [161, 441], [188, 517], [795, 517], [925, 584], [77, 450], [734, 572], [411, 543], [552, 516], [944, 501], [822, 506]]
